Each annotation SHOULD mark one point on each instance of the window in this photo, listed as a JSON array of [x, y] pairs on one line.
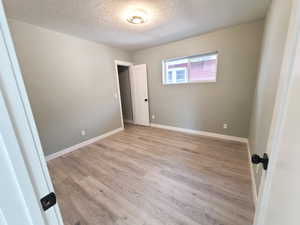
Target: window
[[200, 68], [177, 75]]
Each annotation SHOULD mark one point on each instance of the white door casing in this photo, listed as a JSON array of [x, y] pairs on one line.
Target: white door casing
[[129, 65], [19, 115], [140, 93]]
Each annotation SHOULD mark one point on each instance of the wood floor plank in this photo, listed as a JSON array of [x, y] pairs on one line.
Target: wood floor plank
[[150, 176]]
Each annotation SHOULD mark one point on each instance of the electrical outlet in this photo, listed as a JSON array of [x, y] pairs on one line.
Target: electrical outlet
[[83, 133], [225, 126], [153, 117]]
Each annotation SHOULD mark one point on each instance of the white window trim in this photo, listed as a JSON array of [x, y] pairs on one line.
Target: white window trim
[[164, 69]]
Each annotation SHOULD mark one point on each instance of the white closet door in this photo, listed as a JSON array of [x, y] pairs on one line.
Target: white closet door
[[141, 101]]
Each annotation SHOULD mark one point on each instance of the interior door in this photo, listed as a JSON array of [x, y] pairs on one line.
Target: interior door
[[140, 99], [23, 170], [279, 196], [18, 202]]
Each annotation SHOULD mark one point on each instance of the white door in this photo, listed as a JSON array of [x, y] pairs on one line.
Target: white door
[[279, 197], [140, 95], [18, 202], [23, 170]]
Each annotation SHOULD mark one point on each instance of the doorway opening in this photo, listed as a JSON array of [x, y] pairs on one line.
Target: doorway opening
[[132, 89], [125, 93]]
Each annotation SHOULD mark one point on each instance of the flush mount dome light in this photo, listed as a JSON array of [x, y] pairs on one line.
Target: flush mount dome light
[[138, 17]]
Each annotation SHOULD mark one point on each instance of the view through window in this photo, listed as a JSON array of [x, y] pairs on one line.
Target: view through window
[[199, 68]]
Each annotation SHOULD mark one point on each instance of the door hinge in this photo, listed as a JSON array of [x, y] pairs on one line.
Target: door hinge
[[48, 201]]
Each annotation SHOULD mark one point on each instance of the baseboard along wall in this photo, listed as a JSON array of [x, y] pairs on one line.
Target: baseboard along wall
[[202, 133], [82, 144], [254, 190]]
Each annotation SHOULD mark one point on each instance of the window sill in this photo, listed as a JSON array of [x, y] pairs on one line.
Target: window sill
[[191, 82]]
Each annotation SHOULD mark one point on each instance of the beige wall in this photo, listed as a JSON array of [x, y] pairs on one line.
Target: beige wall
[[208, 106], [271, 59], [71, 84]]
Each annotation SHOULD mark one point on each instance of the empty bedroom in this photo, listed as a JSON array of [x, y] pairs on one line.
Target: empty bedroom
[[154, 112]]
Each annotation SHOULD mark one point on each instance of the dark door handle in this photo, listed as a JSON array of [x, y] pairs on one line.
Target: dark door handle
[[146, 100], [256, 159], [48, 201]]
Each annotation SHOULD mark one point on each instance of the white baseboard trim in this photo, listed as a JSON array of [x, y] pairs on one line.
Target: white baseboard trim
[[254, 190], [202, 133], [129, 121], [82, 144]]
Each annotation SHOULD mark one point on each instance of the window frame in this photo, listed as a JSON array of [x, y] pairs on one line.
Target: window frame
[[164, 69], [174, 70]]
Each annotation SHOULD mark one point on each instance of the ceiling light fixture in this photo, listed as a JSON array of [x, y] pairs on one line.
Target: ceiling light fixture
[[138, 16]]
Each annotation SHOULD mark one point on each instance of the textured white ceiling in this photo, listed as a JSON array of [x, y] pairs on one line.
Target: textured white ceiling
[[102, 20]]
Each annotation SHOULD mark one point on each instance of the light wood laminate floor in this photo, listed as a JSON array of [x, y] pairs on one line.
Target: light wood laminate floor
[[150, 176]]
